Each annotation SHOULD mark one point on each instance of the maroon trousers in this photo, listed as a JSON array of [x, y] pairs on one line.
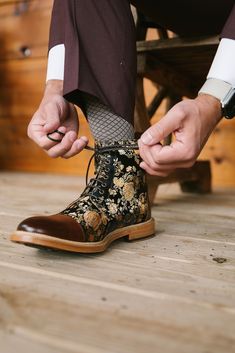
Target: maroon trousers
[[100, 41]]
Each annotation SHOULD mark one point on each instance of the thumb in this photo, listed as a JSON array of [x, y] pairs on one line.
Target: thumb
[[51, 125], [52, 119], [157, 132]]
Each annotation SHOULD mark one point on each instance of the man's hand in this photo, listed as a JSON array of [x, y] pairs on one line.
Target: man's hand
[[191, 122], [55, 113]]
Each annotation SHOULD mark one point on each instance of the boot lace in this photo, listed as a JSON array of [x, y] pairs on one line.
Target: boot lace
[[103, 150]]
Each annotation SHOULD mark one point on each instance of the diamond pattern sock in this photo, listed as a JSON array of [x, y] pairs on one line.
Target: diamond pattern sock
[[104, 124]]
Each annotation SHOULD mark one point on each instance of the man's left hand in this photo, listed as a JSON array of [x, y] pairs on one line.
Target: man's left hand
[[191, 121]]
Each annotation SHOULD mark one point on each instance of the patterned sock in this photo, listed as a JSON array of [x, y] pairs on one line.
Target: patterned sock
[[104, 124]]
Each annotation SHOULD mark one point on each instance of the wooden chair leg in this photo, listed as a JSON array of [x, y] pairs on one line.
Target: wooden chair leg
[[196, 179], [203, 179], [141, 119], [141, 122], [152, 189]]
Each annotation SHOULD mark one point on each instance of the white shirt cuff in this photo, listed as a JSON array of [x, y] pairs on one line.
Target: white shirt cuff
[[55, 64], [223, 66]]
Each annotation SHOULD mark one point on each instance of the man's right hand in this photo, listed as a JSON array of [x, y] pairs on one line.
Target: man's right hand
[[55, 113]]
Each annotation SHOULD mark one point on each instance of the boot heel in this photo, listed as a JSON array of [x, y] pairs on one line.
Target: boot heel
[[142, 230]]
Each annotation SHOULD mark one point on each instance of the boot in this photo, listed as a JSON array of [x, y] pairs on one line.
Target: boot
[[114, 204]]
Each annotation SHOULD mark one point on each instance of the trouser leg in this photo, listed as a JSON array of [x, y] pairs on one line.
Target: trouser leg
[[99, 38], [188, 18], [100, 52]]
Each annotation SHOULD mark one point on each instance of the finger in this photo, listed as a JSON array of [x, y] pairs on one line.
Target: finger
[[176, 153], [36, 125], [152, 156], [163, 169], [57, 134], [146, 155], [64, 146], [36, 128], [52, 118], [44, 142], [77, 147], [151, 171], [168, 124], [52, 125]]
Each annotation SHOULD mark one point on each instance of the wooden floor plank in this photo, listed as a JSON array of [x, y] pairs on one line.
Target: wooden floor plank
[[13, 337], [166, 261], [165, 291], [183, 289], [119, 320]]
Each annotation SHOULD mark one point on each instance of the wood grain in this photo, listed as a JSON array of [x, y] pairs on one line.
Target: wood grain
[[137, 297], [24, 26]]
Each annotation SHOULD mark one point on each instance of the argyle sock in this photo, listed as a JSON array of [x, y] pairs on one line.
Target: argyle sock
[[104, 124]]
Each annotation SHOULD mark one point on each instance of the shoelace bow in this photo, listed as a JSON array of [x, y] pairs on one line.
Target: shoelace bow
[[105, 149]]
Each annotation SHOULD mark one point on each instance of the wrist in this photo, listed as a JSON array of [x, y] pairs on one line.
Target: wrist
[[212, 105], [224, 92], [54, 87]]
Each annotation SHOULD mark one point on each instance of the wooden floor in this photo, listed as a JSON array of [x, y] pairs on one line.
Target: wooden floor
[[169, 293]]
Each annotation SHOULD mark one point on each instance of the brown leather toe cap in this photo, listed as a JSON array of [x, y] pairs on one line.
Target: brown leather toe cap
[[57, 226]]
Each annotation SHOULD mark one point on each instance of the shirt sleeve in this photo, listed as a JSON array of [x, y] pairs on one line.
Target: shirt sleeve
[[55, 63], [223, 66], [229, 27]]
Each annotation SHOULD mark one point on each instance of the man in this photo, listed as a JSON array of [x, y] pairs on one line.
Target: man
[[92, 63]]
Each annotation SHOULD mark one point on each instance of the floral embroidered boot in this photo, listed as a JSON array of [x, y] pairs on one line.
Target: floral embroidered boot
[[114, 204]]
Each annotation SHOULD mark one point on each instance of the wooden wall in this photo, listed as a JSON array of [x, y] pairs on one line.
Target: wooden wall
[[24, 29]]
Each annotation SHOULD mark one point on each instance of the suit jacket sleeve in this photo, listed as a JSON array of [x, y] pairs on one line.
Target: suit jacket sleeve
[[57, 29], [229, 28]]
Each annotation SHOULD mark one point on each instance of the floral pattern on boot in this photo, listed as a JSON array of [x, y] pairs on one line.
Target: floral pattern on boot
[[117, 197]]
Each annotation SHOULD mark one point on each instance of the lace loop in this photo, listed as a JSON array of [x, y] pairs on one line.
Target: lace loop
[[104, 149]]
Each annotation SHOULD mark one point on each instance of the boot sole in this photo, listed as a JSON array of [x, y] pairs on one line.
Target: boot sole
[[137, 231]]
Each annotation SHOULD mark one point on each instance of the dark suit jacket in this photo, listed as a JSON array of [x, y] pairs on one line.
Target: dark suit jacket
[[99, 37], [192, 17], [229, 27]]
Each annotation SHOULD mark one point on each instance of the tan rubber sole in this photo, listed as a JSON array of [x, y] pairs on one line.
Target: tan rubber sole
[[137, 231]]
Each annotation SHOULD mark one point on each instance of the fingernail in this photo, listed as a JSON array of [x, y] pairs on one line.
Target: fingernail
[[72, 137], [84, 138], [146, 138], [79, 144]]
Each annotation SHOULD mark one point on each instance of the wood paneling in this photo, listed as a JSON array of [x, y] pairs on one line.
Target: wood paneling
[[220, 151], [24, 25], [24, 29]]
